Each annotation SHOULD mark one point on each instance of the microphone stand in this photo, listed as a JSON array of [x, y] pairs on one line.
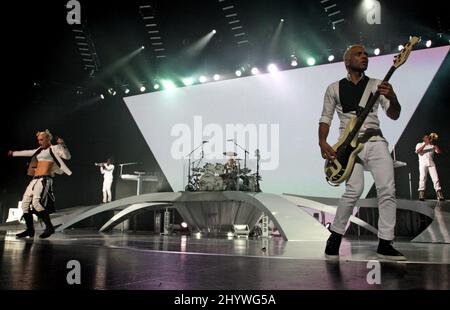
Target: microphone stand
[[239, 166], [258, 157], [189, 160], [245, 153]]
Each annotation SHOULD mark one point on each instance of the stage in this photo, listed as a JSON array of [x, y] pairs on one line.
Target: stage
[[138, 261], [215, 118]]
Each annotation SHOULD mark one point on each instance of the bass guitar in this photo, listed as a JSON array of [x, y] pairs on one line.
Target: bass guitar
[[339, 169]]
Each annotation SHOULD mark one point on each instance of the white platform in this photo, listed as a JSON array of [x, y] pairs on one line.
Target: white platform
[[202, 209]]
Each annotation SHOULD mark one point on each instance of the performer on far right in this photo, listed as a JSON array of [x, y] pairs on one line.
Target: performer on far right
[[425, 151]]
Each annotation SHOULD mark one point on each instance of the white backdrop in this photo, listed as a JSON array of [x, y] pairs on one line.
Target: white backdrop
[[279, 114]]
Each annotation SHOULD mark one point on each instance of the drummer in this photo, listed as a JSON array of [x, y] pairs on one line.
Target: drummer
[[231, 165]]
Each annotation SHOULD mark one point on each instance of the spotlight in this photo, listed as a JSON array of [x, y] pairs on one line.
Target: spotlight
[[369, 4], [294, 61], [142, 47], [203, 79], [282, 20], [156, 86], [184, 225], [241, 230], [142, 89], [238, 73], [377, 51], [102, 96], [216, 77], [168, 85], [272, 68], [126, 91], [428, 43], [214, 31], [330, 58], [311, 61], [400, 47], [255, 71], [188, 81], [112, 92]]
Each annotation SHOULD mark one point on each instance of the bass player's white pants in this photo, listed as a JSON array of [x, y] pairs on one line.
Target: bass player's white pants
[[376, 158]]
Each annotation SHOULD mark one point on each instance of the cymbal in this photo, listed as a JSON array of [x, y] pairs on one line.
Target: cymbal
[[230, 153]]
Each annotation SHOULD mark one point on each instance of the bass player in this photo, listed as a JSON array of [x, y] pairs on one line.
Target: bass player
[[345, 97]]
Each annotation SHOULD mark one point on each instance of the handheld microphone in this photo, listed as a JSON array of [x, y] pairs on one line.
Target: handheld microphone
[[229, 140], [205, 142]]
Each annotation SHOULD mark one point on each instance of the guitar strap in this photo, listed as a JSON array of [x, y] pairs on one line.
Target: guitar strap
[[366, 95], [369, 132]]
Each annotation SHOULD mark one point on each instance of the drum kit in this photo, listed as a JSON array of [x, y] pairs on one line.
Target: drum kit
[[224, 177]]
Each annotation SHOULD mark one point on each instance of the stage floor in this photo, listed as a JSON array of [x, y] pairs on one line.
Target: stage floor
[[136, 261]]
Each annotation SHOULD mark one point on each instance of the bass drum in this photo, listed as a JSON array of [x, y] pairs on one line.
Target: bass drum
[[210, 182], [219, 169], [209, 168]]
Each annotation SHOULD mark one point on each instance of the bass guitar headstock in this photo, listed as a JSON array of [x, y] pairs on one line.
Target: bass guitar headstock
[[401, 58]]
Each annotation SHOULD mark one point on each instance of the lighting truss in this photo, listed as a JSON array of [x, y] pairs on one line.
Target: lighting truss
[[86, 48], [234, 22], [334, 14], [149, 17]]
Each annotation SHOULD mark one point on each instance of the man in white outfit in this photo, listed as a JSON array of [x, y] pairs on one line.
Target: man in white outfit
[[38, 197], [346, 97], [425, 151], [107, 170]]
